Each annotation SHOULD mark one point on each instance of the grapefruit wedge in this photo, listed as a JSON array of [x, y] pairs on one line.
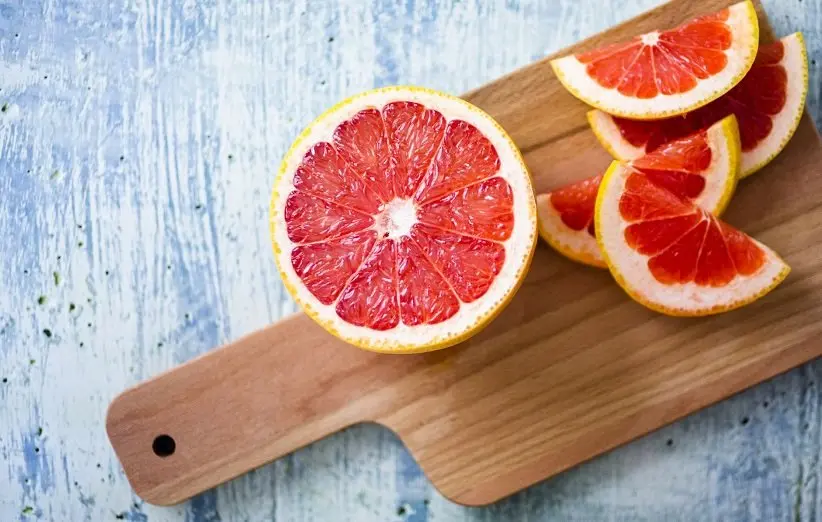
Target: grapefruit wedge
[[664, 73], [701, 168], [403, 220], [768, 105], [673, 256]]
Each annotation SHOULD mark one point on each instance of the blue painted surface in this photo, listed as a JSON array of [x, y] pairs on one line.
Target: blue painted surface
[[136, 153]]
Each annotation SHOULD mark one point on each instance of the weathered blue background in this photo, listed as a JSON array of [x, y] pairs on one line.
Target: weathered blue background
[[137, 144]]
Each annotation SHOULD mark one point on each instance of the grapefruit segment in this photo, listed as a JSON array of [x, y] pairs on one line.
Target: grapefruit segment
[[326, 266], [652, 236], [483, 209], [362, 142], [414, 133], [566, 220], [325, 174], [701, 168], [677, 261], [403, 220], [715, 266], [768, 104], [469, 264], [313, 219], [370, 298], [644, 200], [674, 257], [575, 203], [664, 73], [425, 296], [746, 256], [465, 156]]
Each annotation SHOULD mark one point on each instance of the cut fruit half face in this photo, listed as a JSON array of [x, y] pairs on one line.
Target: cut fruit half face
[[403, 220], [665, 73], [701, 168], [768, 104]]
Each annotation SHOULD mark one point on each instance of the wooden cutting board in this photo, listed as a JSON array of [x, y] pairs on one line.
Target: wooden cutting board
[[571, 369]]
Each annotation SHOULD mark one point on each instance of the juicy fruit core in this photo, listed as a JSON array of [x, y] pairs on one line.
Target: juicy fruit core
[[400, 218], [396, 218], [669, 62], [650, 38], [683, 243], [756, 100]]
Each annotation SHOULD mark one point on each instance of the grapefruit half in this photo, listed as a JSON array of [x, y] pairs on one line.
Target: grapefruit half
[[768, 105], [664, 73], [701, 168], [403, 220], [675, 257]]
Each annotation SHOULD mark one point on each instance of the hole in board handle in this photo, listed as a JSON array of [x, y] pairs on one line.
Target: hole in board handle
[[163, 446]]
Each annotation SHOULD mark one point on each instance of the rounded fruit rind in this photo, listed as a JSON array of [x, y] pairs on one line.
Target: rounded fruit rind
[[519, 247]]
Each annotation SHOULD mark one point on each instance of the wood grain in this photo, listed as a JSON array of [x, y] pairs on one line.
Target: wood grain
[[571, 369]]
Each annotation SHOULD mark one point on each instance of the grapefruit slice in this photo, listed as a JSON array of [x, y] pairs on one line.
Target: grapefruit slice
[[768, 105], [701, 168], [664, 73], [673, 256], [403, 220]]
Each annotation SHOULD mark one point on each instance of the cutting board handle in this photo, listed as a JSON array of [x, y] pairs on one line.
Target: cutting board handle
[[243, 405]]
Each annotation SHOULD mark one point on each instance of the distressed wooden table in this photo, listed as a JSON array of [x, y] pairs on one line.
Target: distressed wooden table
[[137, 145]]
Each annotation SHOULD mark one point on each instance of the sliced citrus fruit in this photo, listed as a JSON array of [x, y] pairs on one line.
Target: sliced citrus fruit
[[403, 220], [701, 167], [673, 256], [664, 73], [566, 221], [768, 105]]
